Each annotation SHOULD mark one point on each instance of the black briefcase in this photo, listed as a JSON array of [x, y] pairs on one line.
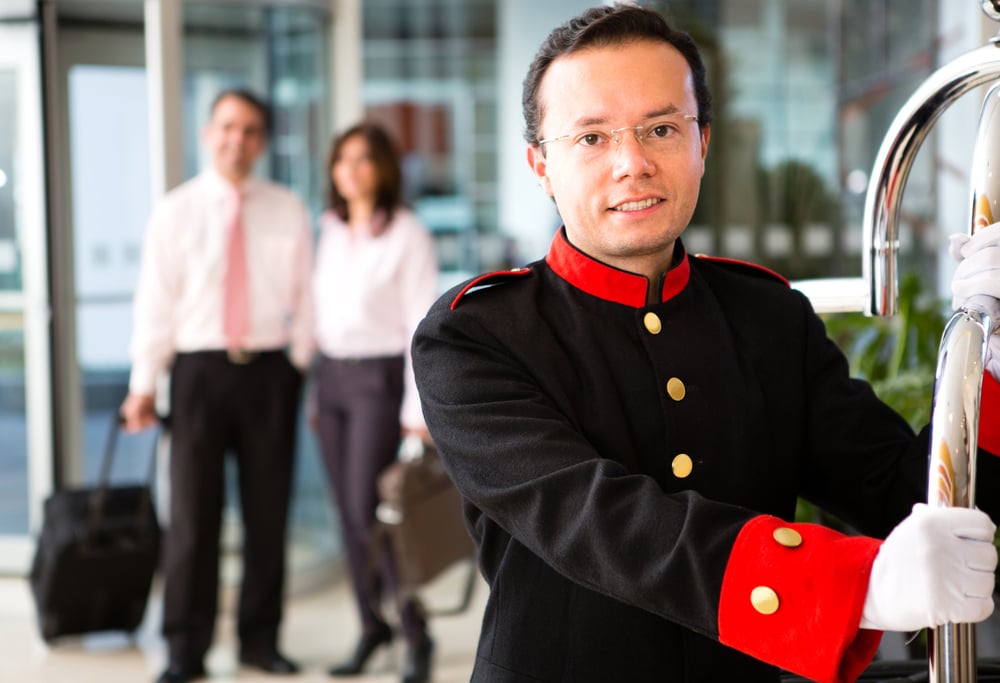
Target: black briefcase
[[96, 555]]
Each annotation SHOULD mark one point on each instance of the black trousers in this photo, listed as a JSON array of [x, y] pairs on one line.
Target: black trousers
[[358, 404], [249, 410]]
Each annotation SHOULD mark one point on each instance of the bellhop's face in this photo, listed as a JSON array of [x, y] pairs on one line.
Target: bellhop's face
[[624, 200]]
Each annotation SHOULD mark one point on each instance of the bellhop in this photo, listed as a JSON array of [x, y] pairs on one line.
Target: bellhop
[[631, 427]]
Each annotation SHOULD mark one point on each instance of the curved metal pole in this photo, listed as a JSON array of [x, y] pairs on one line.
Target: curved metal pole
[[951, 482], [895, 158], [951, 649]]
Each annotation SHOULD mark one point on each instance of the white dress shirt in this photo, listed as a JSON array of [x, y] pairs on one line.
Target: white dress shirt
[[178, 302], [372, 291]]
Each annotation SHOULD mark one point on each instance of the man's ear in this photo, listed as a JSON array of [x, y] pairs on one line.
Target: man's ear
[[539, 166]]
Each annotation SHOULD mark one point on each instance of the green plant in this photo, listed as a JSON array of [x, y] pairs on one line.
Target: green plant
[[897, 355]]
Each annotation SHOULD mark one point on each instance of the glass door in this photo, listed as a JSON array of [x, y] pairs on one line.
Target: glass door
[[25, 429], [105, 202]]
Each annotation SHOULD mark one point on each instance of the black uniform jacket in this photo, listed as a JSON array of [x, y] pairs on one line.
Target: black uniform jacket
[[629, 472]]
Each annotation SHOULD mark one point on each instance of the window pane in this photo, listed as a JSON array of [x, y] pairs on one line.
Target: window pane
[[13, 429], [430, 79], [10, 247], [803, 93], [279, 53], [13, 426], [107, 245]]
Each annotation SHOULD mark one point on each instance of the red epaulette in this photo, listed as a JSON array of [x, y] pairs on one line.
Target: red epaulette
[[488, 280], [753, 268]]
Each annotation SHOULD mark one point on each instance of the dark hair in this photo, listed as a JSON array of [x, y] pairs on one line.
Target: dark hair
[[250, 98], [605, 26], [388, 174]]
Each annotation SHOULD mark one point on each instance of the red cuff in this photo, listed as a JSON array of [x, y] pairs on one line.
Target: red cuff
[[792, 596], [989, 415]]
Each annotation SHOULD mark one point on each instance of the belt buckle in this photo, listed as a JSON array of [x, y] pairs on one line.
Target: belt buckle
[[240, 356]]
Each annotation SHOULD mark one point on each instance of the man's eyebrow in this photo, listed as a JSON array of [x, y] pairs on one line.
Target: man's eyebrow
[[602, 120], [665, 111], [590, 121]]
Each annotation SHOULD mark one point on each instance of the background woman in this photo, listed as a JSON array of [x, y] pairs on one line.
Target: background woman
[[375, 278]]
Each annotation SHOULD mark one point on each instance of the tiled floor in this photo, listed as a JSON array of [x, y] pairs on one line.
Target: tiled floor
[[320, 628]]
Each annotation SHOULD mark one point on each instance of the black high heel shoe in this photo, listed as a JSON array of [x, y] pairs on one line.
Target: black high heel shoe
[[417, 665], [367, 645]]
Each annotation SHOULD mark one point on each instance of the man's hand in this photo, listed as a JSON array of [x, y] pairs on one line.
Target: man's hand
[[138, 412], [978, 273], [936, 567]]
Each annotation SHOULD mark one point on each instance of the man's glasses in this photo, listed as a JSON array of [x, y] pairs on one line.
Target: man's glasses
[[659, 134]]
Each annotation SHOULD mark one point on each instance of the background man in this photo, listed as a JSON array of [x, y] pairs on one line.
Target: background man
[[224, 303], [631, 426]]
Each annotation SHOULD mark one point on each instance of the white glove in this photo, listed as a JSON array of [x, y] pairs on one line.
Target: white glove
[[936, 567], [978, 272]]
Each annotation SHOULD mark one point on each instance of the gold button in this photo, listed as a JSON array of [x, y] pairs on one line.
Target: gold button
[[764, 600], [675, 388], [652, 323], [790, 538], [681, 465]]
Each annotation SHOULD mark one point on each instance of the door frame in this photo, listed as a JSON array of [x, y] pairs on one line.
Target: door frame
[[20, 50]]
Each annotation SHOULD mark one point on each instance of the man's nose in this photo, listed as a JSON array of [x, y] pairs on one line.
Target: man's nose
[[631, 157]]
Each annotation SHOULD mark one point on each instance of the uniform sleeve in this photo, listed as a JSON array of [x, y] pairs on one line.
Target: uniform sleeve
[[793, 594], [989, 415], [516, 458], [152, 347]]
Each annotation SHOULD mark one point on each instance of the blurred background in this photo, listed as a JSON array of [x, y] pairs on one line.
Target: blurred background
[[102, 102]]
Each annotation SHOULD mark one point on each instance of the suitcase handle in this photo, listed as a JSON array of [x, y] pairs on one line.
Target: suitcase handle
[[100, 493], [110, 444]]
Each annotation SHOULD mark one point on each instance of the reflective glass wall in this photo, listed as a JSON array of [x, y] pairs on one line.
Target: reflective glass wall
[[13, 426], [280, 51], [430, 76], [804, 91], [25, 426]]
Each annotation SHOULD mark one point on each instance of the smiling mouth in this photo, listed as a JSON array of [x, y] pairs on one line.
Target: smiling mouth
[[636, 206]]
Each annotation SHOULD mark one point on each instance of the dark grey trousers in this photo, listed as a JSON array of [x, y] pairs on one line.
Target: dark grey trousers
[[358, 402]]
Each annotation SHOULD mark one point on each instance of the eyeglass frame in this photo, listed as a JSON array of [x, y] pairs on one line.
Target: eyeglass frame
[[615, 133]]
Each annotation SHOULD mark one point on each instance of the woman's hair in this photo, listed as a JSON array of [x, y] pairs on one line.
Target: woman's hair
[[609, 26], [388, 174]]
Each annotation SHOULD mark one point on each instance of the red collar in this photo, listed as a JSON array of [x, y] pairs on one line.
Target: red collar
[[607, 282]]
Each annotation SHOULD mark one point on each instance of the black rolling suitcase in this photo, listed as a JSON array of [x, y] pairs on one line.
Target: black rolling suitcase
[[96, 555]]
